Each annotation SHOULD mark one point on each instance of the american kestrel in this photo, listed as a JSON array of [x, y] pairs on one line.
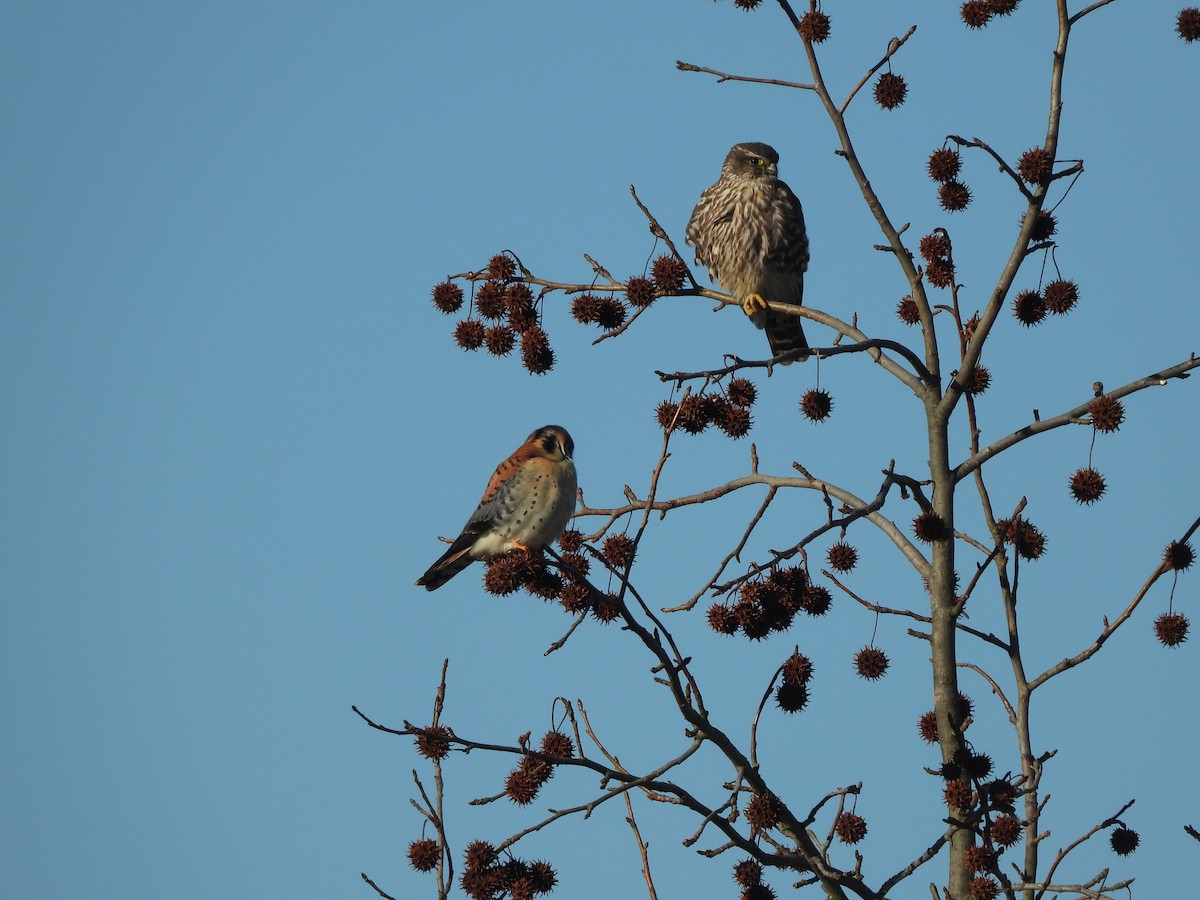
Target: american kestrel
[[748, 230], [526, 505]]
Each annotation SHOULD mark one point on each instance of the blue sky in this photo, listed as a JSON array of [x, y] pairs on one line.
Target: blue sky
[[235, 425]]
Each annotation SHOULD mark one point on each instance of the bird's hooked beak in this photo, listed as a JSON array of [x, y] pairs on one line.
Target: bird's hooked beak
[[772, 168]]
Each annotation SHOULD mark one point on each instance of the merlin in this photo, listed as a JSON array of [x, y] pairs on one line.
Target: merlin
[[748, 231]]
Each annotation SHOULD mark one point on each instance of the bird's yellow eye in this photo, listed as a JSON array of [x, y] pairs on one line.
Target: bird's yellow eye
[[756, 161]]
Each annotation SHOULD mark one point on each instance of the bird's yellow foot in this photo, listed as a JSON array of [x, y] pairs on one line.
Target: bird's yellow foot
[[754, 303], [517, 545]]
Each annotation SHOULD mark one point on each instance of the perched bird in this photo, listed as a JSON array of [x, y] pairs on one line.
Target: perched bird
[[748, 230], [526, 505]]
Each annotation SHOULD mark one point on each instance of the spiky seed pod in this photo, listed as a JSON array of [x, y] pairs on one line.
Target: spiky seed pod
[[1003, 7], [1188, 23], [976, 13], [619, 549], [664, 413], [950, 770], [501, 267], [1035, 165], [735, 421], [1045, 226], [606, 608], [423, 854], [979, 766], [434, 742], [555, 743], [944, 164], [788, 584], [518, 301], [741, 391], [1179, 555], [505, 574], [448, 297], [980, 381], [1029, 307], [571, 541], [1087, 486], [954, 196], [850, 827], [1107, 413], [983, 888], [1001, 794], [871, 663], [639, 291], [482, 883], [536, 354], [797, 669], [489, 300], [542, 876], [927, 725], [753, 619], [542, 582], [890, 90], [480, 855], [842, 557], [747, 872], [668, 272], [585, 308], [1029, 542], [610, 313], [714, 407], [907, 310], [940, 273], [957, 794], [816, 600], [1124, 840], [930, 527], [791, 698], [575, 598], [814, 27], [499, 340], [1006, 830], [1061, 296], [469, 333], [969, 327], [963, 707], [722, 619], [763, 811], [1171, 628], [759, 891], [524, 782], [816, 404], [693, 414], [747, 5], [934, 246]]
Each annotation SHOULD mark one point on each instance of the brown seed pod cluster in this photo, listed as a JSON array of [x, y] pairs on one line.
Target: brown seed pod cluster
[[1029, 307], [1179, 555], [619, 550], [486, 877], [957, 794], [590, 309], [816, 404], [1123, 840], [1171, 628], [814, 26], [760, 609], [976, 13], [763, 811], [730, 411], [927, 723], [1045, 226], [1003, 7], [1000, 794], [979, 858], [792, 693], [1006, 830], [939, 269], [1107, 413], [669, 273], [850, 828], [842, 557], [1188, 23], [944, 164], [980, 381], [523, 783], [447, 297], [935, 245], [1035, 165], [871, 663], [1087, 486], [890, 90], [983, 888], [930, 527], [434, 742], [1025, 537], [606, 608], [954, 196], [639, 292], [747, 5], [747, 872], [907, 310], [424, 854], [1061, 296], [940, 273]]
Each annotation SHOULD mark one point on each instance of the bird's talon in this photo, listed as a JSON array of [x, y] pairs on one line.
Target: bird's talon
[[753, 304]]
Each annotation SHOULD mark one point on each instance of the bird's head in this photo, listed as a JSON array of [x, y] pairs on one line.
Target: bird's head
[[752, 159], [554, 442]]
